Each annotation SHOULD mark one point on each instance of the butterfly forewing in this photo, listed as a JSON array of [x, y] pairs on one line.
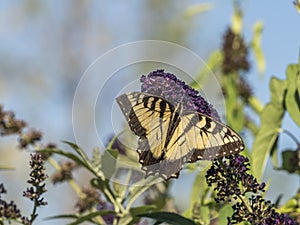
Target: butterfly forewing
[[149, 117]]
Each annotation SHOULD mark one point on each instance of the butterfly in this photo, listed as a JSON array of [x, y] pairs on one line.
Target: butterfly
[[169, 136]]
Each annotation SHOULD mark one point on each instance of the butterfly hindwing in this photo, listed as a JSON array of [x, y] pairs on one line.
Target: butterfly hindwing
[[202, 138]]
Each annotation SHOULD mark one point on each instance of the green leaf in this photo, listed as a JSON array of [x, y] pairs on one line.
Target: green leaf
[[205, 214], [235, 110], [197, 8], [82, 160], [274, 154], [112, 141], [142, 209], [69, 155], [270, 119], [289, 206], [298, 84], [108, 162], [237, 19], [81, 218], [256, 45], [213, 63], [62, 216], [91, 216], [96, 159], [292, 99], [78, 150], [168, 217], [225, 212]]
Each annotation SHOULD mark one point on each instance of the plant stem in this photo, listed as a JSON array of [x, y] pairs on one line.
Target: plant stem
[[245, 203], [255, 104], [291, 136]]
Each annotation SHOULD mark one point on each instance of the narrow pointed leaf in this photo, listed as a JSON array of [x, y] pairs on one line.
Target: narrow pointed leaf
[[292, 99], [197, 8], [237, 20], [63, 153], [169, 218], [80, 219], [91, 216], [142, 209], [108, 162], [78, 150], [256, 45], [62, 216]]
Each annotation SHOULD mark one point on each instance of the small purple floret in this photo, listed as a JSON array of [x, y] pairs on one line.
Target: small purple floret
[[175, 91]]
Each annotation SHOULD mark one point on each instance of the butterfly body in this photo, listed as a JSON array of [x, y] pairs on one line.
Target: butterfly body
[[170, 136]]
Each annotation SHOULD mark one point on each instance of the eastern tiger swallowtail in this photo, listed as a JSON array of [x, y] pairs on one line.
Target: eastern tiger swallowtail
[[170, 136]]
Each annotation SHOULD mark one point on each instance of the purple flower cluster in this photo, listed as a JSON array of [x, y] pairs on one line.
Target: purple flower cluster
[[262, 212], [169, 87], [279, 219], [37, 178], [233, 181], [228, 173], [8, 210]]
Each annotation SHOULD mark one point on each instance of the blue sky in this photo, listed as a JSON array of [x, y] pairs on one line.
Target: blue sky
[[38, 80]]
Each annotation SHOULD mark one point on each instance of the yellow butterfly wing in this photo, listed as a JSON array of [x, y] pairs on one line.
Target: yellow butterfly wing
[[198, 136], [170, 137], [150, 118]]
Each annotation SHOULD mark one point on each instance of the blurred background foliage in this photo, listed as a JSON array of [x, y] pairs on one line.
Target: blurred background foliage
[[47, 45]]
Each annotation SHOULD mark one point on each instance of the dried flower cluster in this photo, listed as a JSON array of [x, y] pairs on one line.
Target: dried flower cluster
[[244, 88], [29, 138], [9, 125], [91, 198], [65, 172], [235, 53]]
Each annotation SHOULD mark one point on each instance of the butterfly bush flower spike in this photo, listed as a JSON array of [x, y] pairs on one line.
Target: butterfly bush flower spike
[[232, 181], [169, 87]]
